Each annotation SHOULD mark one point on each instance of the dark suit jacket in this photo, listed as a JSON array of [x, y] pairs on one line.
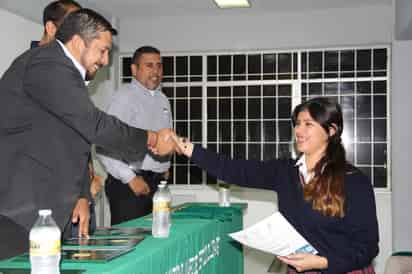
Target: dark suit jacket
[[47, 125]]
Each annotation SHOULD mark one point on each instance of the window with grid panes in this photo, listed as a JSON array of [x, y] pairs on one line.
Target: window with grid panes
[[358, 79], [240, 104]]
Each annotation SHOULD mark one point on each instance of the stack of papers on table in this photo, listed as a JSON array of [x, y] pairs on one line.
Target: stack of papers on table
[[274, 235]]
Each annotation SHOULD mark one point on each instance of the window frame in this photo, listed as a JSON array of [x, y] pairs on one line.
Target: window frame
[[296, 85]]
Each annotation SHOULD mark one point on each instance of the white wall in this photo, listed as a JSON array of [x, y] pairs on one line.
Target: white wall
[[17, 33], [401, 144], [268, 31], [403, 22]]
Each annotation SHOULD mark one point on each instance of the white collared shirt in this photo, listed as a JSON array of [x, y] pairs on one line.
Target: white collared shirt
[[79, 67], [139, 107], [303, 169], [152, 92]]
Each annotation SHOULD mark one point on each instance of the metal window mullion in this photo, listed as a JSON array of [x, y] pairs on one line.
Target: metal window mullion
[[372, 123], [204, 110], [217, 105], [388, 112], [355, 115], [188, 123], [247, 110], [297, 93], [262, 126], [120, 68], [323, 73], [261, 108], [174, 126], [299, 80], [232, 111], [174, 107], [277, 140]]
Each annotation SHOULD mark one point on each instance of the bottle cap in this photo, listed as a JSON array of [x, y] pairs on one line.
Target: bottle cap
[[45, 212], [163, 182]]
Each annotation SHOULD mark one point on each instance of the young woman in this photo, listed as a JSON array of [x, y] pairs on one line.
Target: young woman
[[328, 201]]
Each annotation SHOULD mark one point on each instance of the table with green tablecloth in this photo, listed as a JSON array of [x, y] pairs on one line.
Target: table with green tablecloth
[[198, 243]]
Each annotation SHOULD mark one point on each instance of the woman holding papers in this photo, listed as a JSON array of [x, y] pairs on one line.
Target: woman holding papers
[[328, 201]]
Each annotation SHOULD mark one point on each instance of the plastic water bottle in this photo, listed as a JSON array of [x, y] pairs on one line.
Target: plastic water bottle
[[164, 182], [224, 195], [162, 200], [45, 244]]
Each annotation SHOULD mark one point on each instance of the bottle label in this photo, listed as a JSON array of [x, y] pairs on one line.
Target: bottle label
[[161, 207], [45, 247]]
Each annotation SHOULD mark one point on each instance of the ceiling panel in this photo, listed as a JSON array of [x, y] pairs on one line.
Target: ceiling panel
[[131, 8]]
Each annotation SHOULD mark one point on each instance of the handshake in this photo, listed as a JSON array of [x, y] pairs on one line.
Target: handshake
[[166, 142]]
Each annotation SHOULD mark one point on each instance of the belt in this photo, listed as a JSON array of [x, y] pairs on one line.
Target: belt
[[149, 173], [154, 176]]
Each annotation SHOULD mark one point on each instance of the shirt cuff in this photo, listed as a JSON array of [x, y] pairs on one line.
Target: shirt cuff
[[126, 177]]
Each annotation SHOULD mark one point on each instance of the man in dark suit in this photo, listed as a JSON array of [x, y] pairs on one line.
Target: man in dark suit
[[47, 125]]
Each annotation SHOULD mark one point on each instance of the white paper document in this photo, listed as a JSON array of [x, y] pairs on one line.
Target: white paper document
[[274, 235]]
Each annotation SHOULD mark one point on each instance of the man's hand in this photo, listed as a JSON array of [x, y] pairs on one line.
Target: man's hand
[[161, 143], [166, 175], [305, 261], [81, 215], [96, 185], [139, 186]]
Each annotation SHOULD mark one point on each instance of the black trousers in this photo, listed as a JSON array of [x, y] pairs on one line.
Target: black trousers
[[124, 204], [14, 238]]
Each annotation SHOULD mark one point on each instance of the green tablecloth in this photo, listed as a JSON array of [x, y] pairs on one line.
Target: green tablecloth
[[198, 243]]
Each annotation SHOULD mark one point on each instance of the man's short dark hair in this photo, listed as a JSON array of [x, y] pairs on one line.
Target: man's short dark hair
[[57, 10], [142, 50], [86, 23]]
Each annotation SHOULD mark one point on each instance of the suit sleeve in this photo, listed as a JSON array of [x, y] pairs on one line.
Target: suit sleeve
[[58, 88], [121, 109]]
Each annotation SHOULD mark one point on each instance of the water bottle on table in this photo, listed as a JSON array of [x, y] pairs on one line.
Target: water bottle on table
[[45, 244], [167, 189], [224, 194], [162, 200]]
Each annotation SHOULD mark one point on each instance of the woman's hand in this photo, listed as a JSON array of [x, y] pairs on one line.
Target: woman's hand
[[304, 261], [183, 145]]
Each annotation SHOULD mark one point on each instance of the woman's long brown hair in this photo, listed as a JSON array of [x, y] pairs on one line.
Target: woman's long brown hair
[[326, 189]]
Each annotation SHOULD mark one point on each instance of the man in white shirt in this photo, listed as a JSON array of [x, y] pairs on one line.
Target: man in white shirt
[[130, 186]]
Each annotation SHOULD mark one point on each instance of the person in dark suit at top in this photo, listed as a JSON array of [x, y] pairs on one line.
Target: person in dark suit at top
[[48, 125], [53, 16]]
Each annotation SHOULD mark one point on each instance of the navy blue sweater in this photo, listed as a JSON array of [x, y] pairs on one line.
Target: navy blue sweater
[[349, 243]]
